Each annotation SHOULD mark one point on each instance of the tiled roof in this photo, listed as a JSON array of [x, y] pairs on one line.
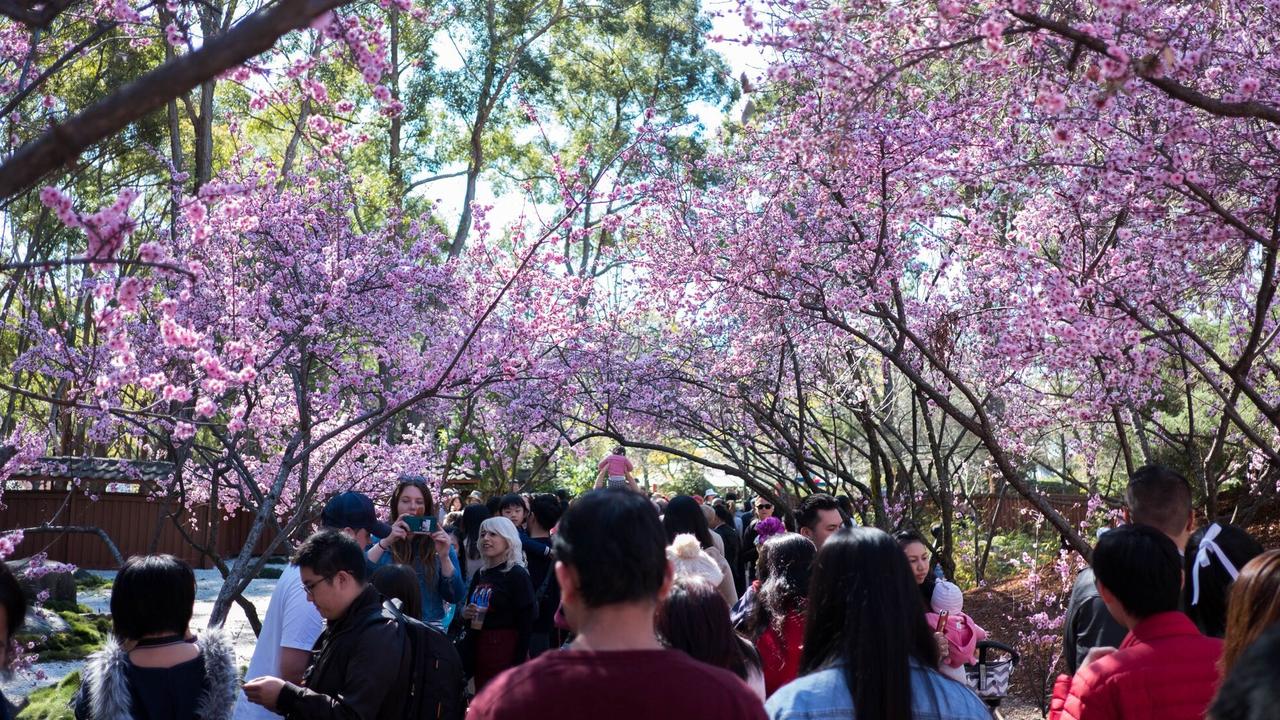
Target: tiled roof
[[96, 468]]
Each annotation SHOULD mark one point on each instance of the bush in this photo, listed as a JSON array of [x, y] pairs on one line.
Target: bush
[[52, 703]]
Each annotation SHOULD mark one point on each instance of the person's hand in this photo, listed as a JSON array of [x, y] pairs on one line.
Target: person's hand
[[468, 611], [399, 531], [1094, 655], [944, 647], [264, 691], [442, 541]]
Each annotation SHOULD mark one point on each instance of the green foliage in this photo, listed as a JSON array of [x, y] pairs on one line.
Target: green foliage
[[689, 480], [89, 581], [570, 473], [52, 703], [270, 573], [86, 634]]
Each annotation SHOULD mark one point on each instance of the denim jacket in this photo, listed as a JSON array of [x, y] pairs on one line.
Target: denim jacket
[[824, 695], [446, 590]]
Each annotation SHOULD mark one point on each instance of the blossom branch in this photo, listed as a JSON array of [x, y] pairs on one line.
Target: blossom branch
[[63, 143], [1173, 89]]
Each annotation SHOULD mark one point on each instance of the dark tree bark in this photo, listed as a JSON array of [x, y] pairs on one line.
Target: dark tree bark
[[63, 143]]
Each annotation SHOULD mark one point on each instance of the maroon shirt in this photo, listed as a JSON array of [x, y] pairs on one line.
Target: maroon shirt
[[619, 685]]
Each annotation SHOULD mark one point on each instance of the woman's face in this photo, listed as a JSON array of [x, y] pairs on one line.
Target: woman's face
[[492, 545], [918, 556], [764, 508], [411, 502]]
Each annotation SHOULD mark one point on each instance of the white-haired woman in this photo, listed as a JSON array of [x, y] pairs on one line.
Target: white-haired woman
[[500, 609]]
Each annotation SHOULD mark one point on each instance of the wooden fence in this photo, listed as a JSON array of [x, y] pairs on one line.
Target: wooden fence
[[136, 524], [1016, 511]]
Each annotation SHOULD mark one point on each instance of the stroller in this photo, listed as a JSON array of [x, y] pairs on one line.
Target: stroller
[[989, 677]]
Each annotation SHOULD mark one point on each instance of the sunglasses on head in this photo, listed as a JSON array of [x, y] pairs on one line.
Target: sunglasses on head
[[764, 506]]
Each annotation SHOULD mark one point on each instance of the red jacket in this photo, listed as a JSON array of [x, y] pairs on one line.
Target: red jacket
[[1164, 670], [780, 654]]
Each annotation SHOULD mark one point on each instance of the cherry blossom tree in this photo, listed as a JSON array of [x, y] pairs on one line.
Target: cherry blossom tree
[[1043, 217]]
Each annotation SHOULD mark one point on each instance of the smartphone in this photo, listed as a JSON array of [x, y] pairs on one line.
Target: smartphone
[[420, 525], [942, 622]]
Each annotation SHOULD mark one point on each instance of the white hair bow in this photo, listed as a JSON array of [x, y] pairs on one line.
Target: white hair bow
[[1209, 547]]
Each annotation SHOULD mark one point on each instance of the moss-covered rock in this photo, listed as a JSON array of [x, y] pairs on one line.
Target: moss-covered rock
[[86, 633], [52, 703]]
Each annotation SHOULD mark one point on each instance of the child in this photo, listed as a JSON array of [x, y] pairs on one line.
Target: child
[[617, 469], [961, 632]]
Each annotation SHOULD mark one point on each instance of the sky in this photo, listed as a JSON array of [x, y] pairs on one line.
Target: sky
[[726, 22]]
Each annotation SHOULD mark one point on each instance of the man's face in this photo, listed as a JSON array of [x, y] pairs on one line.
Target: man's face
[[325, 592], [361, 536], [829, 521], [764, 508]]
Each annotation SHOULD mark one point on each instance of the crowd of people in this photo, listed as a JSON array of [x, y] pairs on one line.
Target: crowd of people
[[625, 606]]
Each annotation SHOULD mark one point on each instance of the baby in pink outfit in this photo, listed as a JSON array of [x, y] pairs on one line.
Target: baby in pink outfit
[[962, 633]]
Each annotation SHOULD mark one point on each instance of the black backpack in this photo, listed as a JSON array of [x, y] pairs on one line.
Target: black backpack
[[435, 680]]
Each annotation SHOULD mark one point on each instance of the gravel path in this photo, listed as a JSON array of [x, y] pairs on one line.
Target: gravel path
[[208, 582]]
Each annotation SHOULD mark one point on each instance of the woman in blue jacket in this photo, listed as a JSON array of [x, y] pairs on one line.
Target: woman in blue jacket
[[428, 551]]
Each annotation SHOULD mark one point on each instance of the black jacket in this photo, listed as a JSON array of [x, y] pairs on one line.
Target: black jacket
[[1088, 624], [358, 668], [732, 550]]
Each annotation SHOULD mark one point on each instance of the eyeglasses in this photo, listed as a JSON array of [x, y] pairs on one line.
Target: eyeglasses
[[764, 506], [310, 588]]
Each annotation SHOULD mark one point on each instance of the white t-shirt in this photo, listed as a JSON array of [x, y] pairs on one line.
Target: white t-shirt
[[292, 622]]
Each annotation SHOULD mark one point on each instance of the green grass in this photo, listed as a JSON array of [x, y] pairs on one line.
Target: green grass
[[51, 703], [86, 634]]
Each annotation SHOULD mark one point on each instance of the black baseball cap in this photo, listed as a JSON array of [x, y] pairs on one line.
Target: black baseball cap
[[353, 510]]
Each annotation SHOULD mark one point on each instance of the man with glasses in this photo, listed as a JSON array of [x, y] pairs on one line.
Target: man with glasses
[[292, 622], [762, 508], [357, 670]]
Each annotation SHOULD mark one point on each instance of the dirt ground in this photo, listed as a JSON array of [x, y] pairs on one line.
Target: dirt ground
[[996, 609]]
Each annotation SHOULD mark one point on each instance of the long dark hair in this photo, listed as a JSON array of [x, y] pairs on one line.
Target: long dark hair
[[468, 530], [694, 619], [416, 550], [1209, 612], [684, 515], [401, 583], [865, 610], [786, 562]]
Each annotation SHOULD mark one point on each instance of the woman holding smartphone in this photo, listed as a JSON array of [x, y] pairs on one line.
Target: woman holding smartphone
[[418, 542]]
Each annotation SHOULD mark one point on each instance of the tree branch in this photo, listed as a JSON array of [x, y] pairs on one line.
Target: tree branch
[[63, 143], [1169, 87]]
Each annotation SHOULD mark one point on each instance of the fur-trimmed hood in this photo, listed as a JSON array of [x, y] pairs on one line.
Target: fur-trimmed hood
[[104, 688]]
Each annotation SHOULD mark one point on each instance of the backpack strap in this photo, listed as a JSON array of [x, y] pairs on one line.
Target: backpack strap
[[546, 583]]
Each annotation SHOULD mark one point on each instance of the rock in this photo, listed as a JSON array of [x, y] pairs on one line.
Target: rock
[[61, 585], [44, 622]]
